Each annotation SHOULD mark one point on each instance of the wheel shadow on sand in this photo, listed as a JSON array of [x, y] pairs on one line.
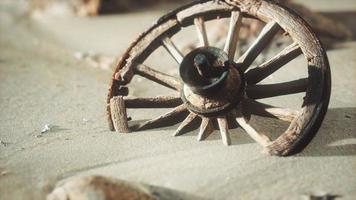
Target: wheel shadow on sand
[[336, 136]]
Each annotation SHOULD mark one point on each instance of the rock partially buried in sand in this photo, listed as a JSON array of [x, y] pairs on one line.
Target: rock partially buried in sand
[[100, 188]]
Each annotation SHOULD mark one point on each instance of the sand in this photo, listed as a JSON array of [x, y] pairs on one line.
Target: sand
[[41, 82]]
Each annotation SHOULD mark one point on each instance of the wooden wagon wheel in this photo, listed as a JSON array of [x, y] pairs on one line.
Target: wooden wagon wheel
[[215, 86]]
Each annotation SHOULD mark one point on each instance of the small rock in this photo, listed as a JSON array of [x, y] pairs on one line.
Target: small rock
[[4, 173], [46, 128], [348, 116], [85, 120], [99, 188]]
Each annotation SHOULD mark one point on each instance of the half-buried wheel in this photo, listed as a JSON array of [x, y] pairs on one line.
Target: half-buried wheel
[[216, 87]]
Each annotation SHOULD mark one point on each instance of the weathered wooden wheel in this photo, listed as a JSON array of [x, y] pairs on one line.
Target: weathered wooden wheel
[[216, 87]]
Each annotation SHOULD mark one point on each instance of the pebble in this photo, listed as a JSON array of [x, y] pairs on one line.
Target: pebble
[[46, 128], [4, 173]]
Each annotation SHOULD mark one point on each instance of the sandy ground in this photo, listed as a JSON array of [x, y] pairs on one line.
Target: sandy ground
[[42, 83]]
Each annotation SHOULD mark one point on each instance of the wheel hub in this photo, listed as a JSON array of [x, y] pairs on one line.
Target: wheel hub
[[213, 85]]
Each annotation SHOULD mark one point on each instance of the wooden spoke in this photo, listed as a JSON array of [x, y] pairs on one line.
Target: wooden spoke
[[278, 89], [265, 110], [172, 49], [153, 102], [224, 130], [233, 34], [185, 124], [206, 128], [261, 72], [200, 26], [258, 137], [163, 120], [158, 77], [264, 38]]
